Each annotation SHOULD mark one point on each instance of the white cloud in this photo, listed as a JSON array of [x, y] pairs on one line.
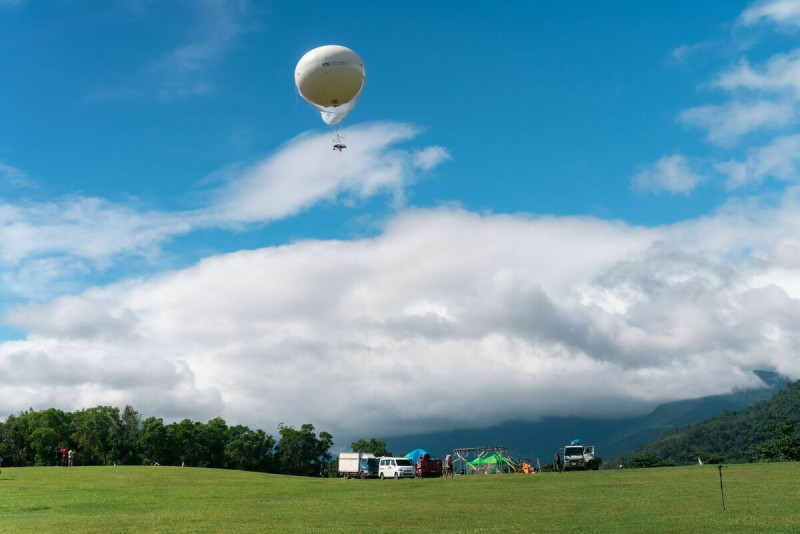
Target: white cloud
[[671, 174], [784, 13], [430, 157], [726, 123], [318, 330], [781, 73], [75, 317], [79, 227], [306, 172], [763, 98], [12, 177], [40, 278], [43, 245], [684, 51], [780, 160]]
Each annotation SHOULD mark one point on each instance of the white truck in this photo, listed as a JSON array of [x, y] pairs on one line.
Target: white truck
[[358, 465], [579, 457]]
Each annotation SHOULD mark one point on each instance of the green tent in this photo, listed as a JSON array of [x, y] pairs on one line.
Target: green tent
[[490, 464]]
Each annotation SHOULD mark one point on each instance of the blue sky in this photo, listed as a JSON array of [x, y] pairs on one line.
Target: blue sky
[[532, 186]]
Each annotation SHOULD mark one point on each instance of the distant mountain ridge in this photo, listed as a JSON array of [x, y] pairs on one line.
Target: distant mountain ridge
[[614, 437]]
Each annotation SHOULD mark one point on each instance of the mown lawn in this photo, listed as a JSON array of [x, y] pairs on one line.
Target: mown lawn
[[758, 497]]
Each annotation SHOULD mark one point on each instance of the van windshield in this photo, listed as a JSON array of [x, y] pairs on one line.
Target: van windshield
[[573, 451], [404, 461]]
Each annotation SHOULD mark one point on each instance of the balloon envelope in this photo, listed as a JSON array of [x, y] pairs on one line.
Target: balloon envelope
[[331, 79]]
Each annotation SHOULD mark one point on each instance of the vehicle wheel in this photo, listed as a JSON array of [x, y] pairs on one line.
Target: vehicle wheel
[[380, 476], [362, 476], [397, 475], [347, 475]]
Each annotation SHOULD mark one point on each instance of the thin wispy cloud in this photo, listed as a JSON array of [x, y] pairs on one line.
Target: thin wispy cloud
[[13, 178], [49, 247], [293, 180], [182, 71], [210, 33], [726, 124], [671, 174], [77, 235], [87, 228], [685, 51], [431, 157], [782, 13], [779, 160], [763, 105], [780, 74]]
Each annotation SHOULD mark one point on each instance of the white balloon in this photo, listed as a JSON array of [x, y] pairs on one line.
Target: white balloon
[[331, 79]]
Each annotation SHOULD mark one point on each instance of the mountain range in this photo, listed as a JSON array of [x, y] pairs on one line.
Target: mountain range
[[611, 437]]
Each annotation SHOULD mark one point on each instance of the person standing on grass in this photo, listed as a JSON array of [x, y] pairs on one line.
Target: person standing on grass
[[71, 455], [448, 466], [64, 456]]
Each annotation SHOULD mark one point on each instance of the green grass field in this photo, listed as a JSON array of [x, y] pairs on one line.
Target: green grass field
[[758, 497]]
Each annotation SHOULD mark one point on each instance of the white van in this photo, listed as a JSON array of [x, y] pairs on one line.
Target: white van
[[390, 467]]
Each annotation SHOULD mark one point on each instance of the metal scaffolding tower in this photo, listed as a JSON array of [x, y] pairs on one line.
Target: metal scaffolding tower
[[461, 457]]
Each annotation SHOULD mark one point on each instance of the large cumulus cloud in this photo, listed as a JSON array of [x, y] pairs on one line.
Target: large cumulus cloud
[[446, 318]]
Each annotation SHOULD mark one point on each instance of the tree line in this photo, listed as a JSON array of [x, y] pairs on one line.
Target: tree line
[[104, 435]]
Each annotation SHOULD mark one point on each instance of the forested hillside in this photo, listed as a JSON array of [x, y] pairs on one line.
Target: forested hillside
[[766, 431]]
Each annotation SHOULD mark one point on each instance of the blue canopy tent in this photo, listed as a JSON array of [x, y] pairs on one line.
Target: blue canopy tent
[[416, 454]]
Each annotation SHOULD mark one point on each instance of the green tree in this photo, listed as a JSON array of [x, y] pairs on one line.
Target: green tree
[[784, 445], [130, 426], [212, 437], [97, 435], [153, 442], [332, 468], [249, 450], [15, 448], [300, 452], [372, 446], [12, 448], [49, 430], [184, 445]]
